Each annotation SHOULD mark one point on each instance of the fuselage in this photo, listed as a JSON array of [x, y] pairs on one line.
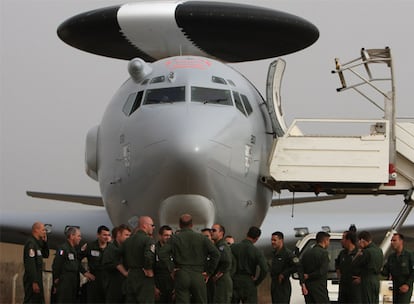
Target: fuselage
[[193, 136]]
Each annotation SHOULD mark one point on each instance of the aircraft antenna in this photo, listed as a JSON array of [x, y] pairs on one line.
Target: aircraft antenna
[[293, 205]]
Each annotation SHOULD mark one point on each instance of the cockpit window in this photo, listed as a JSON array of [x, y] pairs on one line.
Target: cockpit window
[[231, 82], [132, 104], [211, 96], [164, 95], [247, 104], [220, 80], [238, 102], [158, 79]]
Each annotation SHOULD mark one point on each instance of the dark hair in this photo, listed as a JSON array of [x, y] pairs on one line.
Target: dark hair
[[401, 236], [365, 235], [278, 234], [221, 227], [351, 235], [163, 228], [186, 221], [102, 228], [206, 229], [321, 235], [254, 232]]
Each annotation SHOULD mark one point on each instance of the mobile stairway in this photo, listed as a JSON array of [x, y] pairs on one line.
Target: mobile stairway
[[342, 156]]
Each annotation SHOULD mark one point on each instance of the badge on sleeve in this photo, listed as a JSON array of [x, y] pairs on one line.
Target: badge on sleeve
[[152, 248], [83, 248], [221, 248], [61, 252], [31, 253]]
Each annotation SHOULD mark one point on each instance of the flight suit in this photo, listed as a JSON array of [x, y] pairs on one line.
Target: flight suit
[[315, 263], [139, 254], [114, 282], [66, 268], [247, 258], [164, 266], [223, 284], [33, 253], [401, 270], [95, 291], [284, 262], [193, 254], [370, 264], [349, 292]]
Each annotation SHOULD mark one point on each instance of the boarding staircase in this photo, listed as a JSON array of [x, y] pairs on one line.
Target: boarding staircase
[[342, 156]]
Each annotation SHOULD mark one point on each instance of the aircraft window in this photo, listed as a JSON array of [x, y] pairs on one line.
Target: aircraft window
[[164, 95], [231, 82], [214, 96], [218, 80], [247, 104], [132, 104], [238, 102], [129, 103], [158, 79], [137, 102], [145, 81]]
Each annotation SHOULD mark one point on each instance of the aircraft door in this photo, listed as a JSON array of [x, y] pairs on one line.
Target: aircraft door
[[273, 99]]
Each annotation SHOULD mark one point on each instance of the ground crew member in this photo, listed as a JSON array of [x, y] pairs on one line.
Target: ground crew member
[[115, 273], [229, 240], [223, 283], [139, 257], [164, 266], [315, 263], [284, 263], [190, 251], [348, 291], [369, 260], [247, 259], [66, 267], [400, 269], [35, 249], [93, 252]]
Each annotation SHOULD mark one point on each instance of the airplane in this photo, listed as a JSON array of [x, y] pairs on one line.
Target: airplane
[[151, 172]]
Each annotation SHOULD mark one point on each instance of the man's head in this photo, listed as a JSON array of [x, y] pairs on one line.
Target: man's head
[[164, 234], [217, 232], [397, 242], [103, 234], [364, 239], [254, 233], [39, 231], [73, 236], [323, 239], [277, 240], [122, 233], [229, 240], [146, 224], [186, 221], [206, 232], [349, 240]]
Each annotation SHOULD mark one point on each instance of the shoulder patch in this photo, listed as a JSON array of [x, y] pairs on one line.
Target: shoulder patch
[[221, 248], [152, 248], [61, 252], [83, 248], [32, 253]]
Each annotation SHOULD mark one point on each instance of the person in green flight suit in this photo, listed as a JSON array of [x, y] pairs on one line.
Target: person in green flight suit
[[223, 283], [349, 292], [139, 258], [195, 258], [369, 260], [93, 252], [35, 249], [66, 268], [247, 259], [284, 263], [400, 269], [164, 267], [115, 273], [315, 264]]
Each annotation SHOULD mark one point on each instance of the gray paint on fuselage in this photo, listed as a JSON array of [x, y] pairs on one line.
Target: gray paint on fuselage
[[185, 148]]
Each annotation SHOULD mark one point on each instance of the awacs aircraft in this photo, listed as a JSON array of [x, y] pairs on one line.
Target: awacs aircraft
[[185, 133]]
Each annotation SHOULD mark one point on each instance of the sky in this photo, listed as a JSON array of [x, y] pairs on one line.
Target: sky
[[52, 94]]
